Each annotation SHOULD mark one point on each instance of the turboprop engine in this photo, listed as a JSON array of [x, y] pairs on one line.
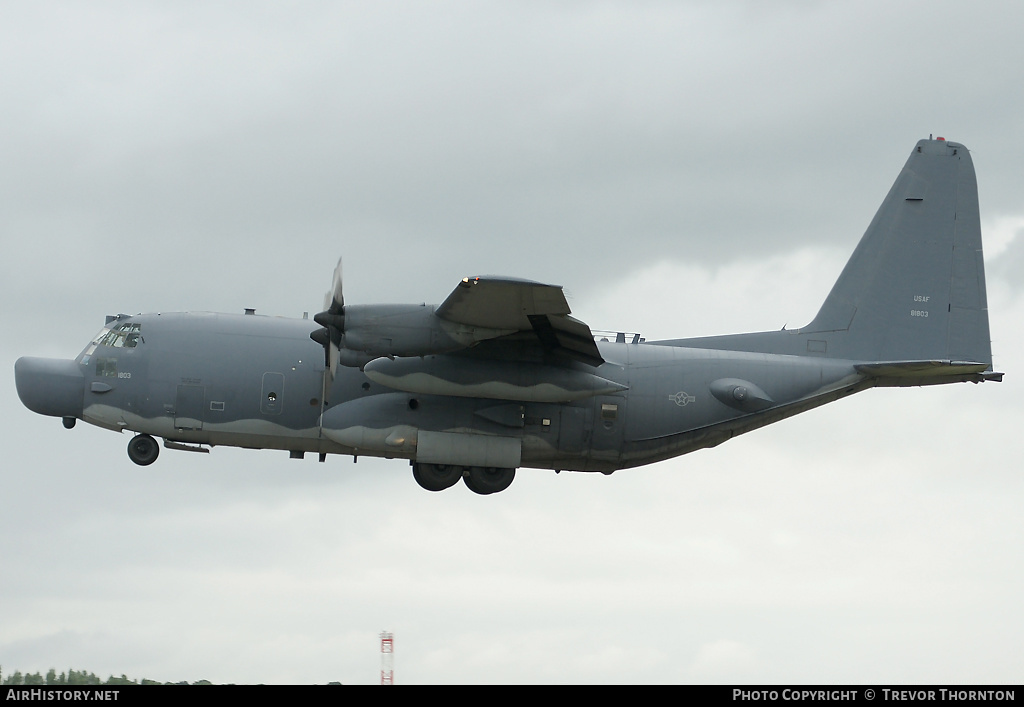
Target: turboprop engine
[[477, 310], [375, 330]]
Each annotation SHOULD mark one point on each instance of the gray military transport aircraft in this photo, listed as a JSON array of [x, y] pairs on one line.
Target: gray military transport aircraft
[[499, 376]]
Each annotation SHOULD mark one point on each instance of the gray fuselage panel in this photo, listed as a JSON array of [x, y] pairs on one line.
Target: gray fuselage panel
[[256, 381]]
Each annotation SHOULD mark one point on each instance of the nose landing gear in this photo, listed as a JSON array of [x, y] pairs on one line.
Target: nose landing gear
[[143, 450]]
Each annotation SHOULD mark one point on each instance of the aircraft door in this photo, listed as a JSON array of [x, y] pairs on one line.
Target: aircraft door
[[272, 399], [575, 430], [188, 407], [609, 423]]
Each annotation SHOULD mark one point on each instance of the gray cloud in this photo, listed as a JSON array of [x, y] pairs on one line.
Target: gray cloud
[[682, 168]]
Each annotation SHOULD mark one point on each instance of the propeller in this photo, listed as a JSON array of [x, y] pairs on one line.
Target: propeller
[[333, 315], [332, 319]]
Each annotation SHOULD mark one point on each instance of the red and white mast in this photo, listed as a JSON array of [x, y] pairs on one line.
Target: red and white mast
[[387, 655]]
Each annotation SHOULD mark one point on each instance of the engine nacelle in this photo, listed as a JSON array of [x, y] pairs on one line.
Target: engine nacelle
[[497, 380], [393, 330]]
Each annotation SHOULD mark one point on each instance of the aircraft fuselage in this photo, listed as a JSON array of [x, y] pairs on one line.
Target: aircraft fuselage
[[259, 382]]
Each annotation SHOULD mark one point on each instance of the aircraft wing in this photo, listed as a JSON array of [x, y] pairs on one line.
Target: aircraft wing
[[524, 306]]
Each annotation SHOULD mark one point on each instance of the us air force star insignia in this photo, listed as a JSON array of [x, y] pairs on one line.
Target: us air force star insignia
[[681, 398]]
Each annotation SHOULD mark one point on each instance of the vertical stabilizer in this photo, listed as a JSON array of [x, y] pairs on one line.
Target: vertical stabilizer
[[914, 288]]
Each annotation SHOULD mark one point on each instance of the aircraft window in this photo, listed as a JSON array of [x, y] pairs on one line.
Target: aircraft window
[[106, 367], [125, 336]]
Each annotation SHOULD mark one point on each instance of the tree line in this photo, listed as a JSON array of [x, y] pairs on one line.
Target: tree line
[[79, 677]]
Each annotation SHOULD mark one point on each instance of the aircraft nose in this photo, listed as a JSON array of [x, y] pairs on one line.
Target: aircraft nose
[[50, 386]]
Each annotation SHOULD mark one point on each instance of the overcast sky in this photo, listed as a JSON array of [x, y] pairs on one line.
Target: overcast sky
[[682, 168]]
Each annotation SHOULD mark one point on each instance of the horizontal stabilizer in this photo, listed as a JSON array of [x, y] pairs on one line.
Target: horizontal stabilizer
[[929, 370]]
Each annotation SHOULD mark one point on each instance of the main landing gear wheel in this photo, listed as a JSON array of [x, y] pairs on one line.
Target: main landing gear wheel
[[436, 477], [143, 450], [488, 479]]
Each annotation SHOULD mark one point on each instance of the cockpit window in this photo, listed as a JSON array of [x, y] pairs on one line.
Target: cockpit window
[[126, 335], [106, 367]]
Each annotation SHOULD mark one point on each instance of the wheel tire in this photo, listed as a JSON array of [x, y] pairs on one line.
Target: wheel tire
[[436, 477], [143, 450], [486, 480]]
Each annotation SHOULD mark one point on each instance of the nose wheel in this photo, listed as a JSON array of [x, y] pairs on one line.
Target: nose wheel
[[143, 450]]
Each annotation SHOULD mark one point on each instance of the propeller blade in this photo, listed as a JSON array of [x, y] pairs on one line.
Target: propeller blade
[[333, 321], [334, 300]]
